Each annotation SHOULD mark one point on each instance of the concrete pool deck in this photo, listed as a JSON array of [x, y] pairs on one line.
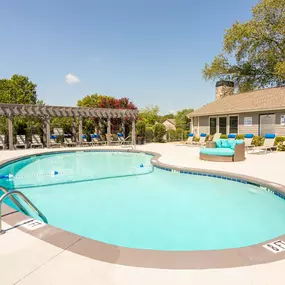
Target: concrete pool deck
[[25, 259]]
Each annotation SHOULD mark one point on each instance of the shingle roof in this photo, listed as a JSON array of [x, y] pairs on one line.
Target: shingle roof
[[254, 101]]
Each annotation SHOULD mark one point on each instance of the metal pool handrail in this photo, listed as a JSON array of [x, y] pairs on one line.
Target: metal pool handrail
[[28, 202]]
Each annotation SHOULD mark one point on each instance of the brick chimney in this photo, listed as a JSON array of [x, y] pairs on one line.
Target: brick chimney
[[224, 88]]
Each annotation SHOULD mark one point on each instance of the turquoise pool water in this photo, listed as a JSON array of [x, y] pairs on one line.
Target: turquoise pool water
[[149, 208]]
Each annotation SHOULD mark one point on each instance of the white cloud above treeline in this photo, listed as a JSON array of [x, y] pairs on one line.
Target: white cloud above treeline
[[71, 79]]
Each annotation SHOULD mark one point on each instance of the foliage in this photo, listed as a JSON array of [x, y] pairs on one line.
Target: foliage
[[149, 134], [159, 132], [182, 120], [258, 47], [149, 114], [18, 90], [141, 129], [65, 123], [176, 135], [240, 137], [257, 141], [171, 135], [280, 142], [166, 117], [102, 101]]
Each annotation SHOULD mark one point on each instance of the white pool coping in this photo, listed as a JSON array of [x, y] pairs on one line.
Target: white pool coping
[[25, 259]]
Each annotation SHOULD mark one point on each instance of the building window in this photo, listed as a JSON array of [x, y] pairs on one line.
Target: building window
[[234, 124], [213, 126], [223, 125]]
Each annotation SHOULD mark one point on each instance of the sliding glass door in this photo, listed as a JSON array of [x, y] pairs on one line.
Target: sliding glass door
[[223, 125], [213, 126]]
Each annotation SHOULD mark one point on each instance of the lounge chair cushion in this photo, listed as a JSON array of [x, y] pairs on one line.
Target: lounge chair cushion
[[203, 135], [269, 136], [248, 136], [218, 143], [232, 136], [191, 135], [218, 151]]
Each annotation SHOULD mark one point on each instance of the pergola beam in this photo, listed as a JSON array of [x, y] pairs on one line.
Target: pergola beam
[[46, 112]]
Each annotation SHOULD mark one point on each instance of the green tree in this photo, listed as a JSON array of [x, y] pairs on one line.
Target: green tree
[[253, 53], [165, 117], [90, 101], [18, 90], [159, 131], [149, 114], [182, 120]]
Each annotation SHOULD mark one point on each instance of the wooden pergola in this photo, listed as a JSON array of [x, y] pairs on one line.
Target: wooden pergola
[[46, 112]]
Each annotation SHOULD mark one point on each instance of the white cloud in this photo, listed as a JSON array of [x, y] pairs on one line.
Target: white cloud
[[71, 79], [172, 112]]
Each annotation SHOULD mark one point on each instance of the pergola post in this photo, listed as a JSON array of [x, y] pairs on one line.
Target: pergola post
[[191, 125], [109, 131], [47, 131], [10, 132], [133, 131], [74, 129], [124, 127], [80, 130]]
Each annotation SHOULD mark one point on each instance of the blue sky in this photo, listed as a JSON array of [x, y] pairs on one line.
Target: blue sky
[[151, 51]]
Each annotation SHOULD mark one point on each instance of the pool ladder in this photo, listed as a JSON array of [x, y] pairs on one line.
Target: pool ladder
[[28, 202]]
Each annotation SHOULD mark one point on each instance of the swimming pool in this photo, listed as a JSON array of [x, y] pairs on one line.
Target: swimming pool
[[109, 197]]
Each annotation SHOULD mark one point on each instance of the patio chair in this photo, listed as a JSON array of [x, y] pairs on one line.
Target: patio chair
[[53, 142], [84, 141], [216, 136], [248, 138], [20, 141], [190, 139], [268, 144], [232, 136], [123, 140], [96, 140], [202, 140], [36, 141], [68, 142], [2, 141]]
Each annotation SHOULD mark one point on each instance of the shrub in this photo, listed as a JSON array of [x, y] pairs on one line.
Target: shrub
[[148, 134], [159, 132], [179, 134], [141, 129], [171, 135], [240, 137], [280, 142], [257, 141]]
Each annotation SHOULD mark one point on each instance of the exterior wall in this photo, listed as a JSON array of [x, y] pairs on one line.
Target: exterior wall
[[254, 129], [196, 126], [279, 129], [204, 123]]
